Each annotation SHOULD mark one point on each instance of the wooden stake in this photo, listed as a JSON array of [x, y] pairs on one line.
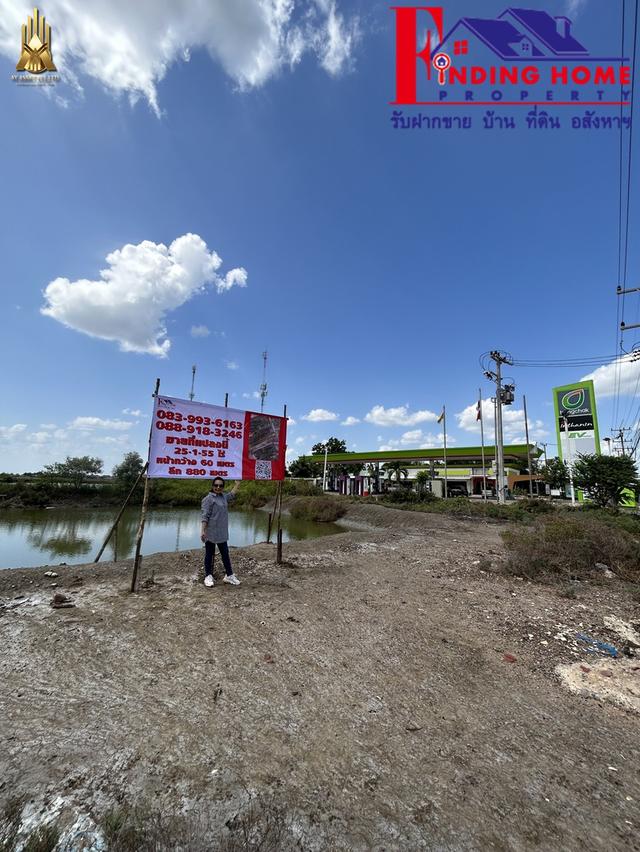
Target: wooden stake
[[145, 504], [124, 506], [269, 528], [226, 400]]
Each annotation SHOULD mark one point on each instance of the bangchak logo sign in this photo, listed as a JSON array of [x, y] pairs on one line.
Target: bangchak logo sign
[[576, 420], [522, 57]]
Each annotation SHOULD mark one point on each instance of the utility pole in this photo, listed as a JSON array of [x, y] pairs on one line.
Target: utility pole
[[193, 381], [619, 436], [544, 450], [504, 396], [263, 386]]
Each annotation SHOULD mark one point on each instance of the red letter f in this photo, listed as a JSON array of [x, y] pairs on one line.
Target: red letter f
[[407, 53]]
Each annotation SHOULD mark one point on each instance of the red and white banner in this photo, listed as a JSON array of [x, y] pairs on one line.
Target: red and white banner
[[192, 439]]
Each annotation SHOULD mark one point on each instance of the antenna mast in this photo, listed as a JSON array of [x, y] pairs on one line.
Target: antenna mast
[[263, 386], [193, 381]]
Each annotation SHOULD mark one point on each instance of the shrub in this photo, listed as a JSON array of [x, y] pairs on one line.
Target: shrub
[[402, 495], [321, 509], [536, 507], [569, 546]]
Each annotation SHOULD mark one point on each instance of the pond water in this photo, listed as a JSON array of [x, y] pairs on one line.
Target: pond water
[[30, 537]]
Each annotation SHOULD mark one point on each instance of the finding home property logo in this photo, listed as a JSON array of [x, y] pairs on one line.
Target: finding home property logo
[[522, 57]]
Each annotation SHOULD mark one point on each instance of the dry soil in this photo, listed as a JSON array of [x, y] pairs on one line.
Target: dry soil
[[386, 688]]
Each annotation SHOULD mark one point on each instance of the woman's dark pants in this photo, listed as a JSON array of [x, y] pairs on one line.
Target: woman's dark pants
[[209, 553]]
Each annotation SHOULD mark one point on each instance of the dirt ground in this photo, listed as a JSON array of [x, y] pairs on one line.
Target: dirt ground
[[386, 688]]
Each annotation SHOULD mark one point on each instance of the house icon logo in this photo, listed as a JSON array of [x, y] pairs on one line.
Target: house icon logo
[[517, 35]]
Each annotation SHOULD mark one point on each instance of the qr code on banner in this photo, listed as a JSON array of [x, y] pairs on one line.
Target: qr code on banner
[[263, 470]]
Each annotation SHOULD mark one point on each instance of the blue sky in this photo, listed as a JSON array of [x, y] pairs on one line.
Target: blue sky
[[247, 159]]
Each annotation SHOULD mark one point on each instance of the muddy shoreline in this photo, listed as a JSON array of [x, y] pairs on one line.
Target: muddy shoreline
[[385, 688]]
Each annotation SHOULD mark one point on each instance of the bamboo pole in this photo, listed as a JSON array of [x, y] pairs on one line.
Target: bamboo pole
[[226, 400], [124, 506], [277, 512], [145, 504]]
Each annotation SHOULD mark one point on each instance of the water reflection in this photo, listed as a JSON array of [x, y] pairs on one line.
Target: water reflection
[[31, 537]]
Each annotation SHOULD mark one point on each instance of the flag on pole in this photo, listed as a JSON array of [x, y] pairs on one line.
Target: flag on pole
[[479, 410], [441, 418]]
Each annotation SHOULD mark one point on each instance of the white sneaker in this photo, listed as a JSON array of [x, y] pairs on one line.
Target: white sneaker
[[232, 579], [209, 581]]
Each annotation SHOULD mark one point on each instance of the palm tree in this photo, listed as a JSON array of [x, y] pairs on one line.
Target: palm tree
[[395, 469]]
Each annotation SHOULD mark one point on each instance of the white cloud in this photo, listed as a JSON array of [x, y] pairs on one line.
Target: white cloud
[[199, 331], [512, 423], [418, 440], [317, 414], [350, 421], [140, 286], [251, 395], [300, 440], [119, 440], [574, 7], [399, 416], [291, 422], [48, 426], [129, 47], [38, 437], [336, 40], [622, 375], [7, 433], [233, 278], [412, 437], [132, 412], [231, 365], [87, 424]]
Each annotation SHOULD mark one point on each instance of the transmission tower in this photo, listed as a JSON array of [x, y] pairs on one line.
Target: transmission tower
[[193, 381], [263, 386]]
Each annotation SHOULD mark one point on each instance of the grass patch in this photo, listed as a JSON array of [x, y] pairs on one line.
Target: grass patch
[[259, 825], [568, 544], [321, 509], [457, 506], [43, 839], [10, 819]]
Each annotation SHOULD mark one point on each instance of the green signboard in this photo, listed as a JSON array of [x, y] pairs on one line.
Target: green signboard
[[576, 420]]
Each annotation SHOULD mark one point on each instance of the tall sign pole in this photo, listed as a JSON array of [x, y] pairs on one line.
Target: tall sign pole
[[484, 468], [526, 432]]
